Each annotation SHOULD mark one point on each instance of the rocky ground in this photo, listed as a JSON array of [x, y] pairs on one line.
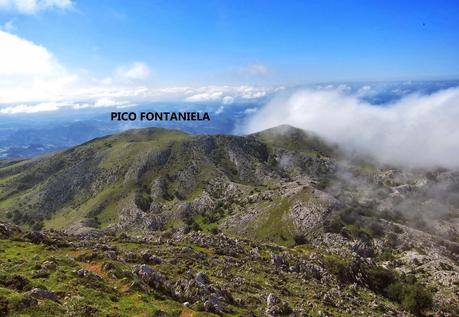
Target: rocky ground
[[194, 274]]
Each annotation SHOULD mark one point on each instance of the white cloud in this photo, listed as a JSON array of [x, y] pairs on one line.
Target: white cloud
[[109, 102], [416, 131], [133, 72], [109, 96], [227, 100], [29, 72], [33, 6], [227, 94], [106, 81], [31, 77], [8, 26], [205, 97], [41, 107], [22, 57], [250, 110], [254, 69]]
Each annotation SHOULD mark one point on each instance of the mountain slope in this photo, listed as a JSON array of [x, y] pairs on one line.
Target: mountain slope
[[134, 176], [283, 189]]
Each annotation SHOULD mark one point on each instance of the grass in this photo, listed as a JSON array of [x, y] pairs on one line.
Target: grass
[[272, 225], [108, 216], [206, 226], [107, 295], [275, 224], [8, 203], [69, 216], [110, 293]]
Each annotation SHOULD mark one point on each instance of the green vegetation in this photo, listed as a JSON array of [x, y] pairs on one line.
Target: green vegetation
[[272, 225], [87, 296], [356, 222], [249, 211], [339, 267], [404, 290], [413, 297], [293, 139]]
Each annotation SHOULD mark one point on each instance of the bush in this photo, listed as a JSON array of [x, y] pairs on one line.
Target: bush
[[338, 267], [191, 224], [323, 183], [355, 231], [412, 297], [394, 292], [333, 225], [349, 216], [300, 239], [214, 216], [379, 279], [386, 255], [393, 216], [416, 299], [3, 306], [214, 230], [376, 229], [36, 226]]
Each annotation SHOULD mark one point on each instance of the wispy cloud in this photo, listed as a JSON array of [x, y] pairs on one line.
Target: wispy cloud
[[41, 107], [255, 69], [133, 72], [226, 94], [33, 6], [8, 26]]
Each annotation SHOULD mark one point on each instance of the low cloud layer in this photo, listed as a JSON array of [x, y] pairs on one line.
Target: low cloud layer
[[416, 131]]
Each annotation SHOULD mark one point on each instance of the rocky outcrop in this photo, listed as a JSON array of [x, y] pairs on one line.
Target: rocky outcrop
[[200, 288], [152, 278], [276, 307]]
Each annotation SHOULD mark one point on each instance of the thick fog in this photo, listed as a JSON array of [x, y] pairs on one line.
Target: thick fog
[[415, 131]]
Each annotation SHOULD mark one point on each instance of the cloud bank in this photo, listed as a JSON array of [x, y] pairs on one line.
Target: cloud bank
[[33, 80], [416, 131]]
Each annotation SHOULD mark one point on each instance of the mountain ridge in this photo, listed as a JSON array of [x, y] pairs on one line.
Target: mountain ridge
[[283, 190]]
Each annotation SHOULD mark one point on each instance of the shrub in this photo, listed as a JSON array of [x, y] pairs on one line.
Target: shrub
[[191, 224], [416, 299], [376, 229], [412, 297], [349, 216], [323, 183], [386, 255], [333, 225], [338, 267], [300, 239], [214, 230], [214, 216], [379, 278], [355, 231], [36, 226], [3, 306]]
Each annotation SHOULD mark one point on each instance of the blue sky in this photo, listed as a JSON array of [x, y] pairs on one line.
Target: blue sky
[[188, 41], [170, 43]]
